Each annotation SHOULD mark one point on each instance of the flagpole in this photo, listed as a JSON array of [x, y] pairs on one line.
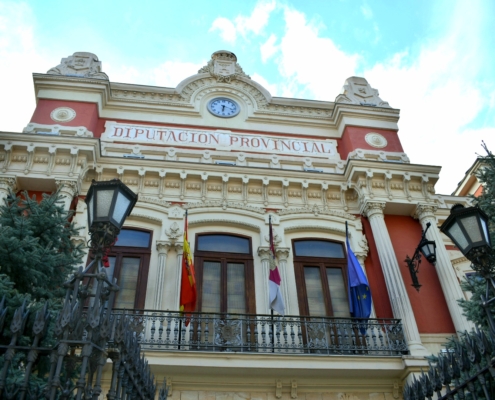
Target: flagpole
[[182, 316]]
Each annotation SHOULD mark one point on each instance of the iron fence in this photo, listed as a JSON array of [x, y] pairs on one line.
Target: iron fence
[[466, 370], [244, 333]]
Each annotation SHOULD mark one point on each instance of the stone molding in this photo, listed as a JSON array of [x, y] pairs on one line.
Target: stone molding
[[371, 209], [58, 130], [207, 221]]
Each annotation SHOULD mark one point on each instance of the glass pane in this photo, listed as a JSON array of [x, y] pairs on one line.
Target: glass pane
[[318, 248], [90, 210], [127, 282], [470, 224], [120, 208], [103, 203], [132, 238], [224, 244], [314, 290], [338, 293], [211, 287], [236, 288], [458, 236]]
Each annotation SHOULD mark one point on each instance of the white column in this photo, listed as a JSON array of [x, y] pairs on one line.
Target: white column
[[68, 190], [6, 185], [401, 306], [282, 255], [446, 274], [162, 247]]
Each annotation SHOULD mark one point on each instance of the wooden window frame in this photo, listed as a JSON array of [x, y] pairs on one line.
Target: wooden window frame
[[201, 256], [322, 263], [144, 253]]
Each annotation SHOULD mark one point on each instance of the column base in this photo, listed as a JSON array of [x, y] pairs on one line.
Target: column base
[[417, 349]]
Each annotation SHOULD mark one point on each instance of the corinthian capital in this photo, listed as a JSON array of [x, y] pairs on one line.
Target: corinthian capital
[[373, 208], [426, 211], [264, 253], [8, 183], [68, 187]]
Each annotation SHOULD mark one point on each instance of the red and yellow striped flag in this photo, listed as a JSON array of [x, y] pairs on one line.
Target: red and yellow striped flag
[[188, 283]]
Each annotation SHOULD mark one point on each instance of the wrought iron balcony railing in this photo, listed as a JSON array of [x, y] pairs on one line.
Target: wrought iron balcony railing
[[171, 331]]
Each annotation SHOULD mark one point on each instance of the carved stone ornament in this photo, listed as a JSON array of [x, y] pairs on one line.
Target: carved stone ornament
[[358, 91], [80, 64], [63, 114], [375, 140], [176, 212], [223, 67], [174, 231]]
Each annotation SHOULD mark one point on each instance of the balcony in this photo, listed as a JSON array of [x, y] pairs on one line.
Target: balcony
[[243, 333]]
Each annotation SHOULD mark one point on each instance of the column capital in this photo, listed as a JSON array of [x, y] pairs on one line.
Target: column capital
[[282, 253], [163, 246], [179, 247], [264, 253], [68, 187], [7, 183], [372, 208], [425, 211]]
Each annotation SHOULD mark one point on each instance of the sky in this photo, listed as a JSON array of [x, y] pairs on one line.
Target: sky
[[432, 59]]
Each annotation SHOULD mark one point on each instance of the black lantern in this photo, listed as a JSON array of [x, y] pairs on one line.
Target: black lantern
[[109, 204], [468, 229], [425, 247]]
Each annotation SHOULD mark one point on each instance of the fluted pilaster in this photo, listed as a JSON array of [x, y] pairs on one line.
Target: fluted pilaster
[[401, 306], [178, 269], [162, 247], [446, 274]]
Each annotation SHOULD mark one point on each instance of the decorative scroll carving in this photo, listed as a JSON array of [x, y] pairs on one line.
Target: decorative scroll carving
[[80, 64], [174, 232], [357, 90]]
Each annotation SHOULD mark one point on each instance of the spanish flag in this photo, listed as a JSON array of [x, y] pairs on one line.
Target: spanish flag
[[188, 283]]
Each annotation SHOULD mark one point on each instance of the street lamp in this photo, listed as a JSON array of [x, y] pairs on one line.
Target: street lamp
[[109, 204], [468, 229], [425, 247]]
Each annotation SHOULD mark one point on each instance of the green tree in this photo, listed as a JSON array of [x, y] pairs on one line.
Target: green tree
[[36, 250], [476, 284]]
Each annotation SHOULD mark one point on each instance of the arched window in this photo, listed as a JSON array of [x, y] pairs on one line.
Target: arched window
[[224, 273], [129, 260], [321, 277]]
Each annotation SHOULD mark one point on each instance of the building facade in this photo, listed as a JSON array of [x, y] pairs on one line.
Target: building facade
[[221, 147]]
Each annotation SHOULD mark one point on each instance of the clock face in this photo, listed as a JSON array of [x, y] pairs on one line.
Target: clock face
[[223, 107]]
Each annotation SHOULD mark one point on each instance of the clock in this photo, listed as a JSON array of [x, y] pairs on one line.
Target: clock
[[223, 107]]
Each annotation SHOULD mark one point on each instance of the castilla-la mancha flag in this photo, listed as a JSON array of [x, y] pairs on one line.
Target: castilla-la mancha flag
[[275, 295], [188, 281]]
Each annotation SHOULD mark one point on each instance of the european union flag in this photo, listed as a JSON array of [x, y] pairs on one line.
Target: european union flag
[[358, 287]]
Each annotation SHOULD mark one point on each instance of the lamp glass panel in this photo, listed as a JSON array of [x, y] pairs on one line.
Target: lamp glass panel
[[103, 203], [121, 206], [90, 210], [470, 224], [458, 236], [484, 225], [427, 249]]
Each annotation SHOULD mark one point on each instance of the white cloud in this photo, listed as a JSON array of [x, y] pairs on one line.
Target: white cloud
[[257, 20], [272, 88], [313, 65], [268, 49], [171, 73], [226, 28], [439, 94]]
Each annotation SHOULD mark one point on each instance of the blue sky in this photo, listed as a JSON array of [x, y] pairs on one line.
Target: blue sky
[[434, 60]]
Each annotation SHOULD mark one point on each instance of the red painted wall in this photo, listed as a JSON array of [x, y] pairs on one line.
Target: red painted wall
[[429, 306], [353, 138], [86, 113], [374, 272]]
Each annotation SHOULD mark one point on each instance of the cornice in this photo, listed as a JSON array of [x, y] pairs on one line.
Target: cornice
[[224, 221]]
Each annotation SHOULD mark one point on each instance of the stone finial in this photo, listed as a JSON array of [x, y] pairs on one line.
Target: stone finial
[[223, 67], [80, 64], [357, 90]]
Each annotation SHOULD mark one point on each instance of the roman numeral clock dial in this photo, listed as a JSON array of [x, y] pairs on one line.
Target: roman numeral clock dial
[[223, 107]]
